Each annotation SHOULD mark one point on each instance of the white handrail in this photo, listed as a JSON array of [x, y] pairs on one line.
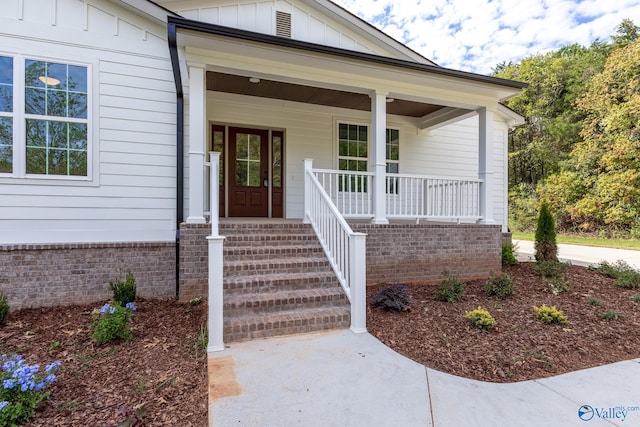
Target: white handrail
[[345, 249]]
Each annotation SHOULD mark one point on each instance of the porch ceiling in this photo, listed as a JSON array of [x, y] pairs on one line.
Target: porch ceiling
[[230, 83]]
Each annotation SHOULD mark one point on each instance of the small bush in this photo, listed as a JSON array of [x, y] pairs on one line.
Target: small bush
[[612, 315], [480, 318], [545, 244], [22, 388], [594, 301], [636, 299], [550, 315], [112, 323], [554, 276], [500, 286], [450, 289], [4, 308], [508, 255], [392, 298], [124, 292], [625, 275]]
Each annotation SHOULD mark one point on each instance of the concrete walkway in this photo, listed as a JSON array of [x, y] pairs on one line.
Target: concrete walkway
[[581, 255], [344, 379]]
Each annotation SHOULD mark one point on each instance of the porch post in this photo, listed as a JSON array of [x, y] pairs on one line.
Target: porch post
[[485, 165], [197, 138], [215, 321], [308, 170], [378, 157]]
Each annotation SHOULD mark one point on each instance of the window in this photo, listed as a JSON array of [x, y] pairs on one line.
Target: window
[[353, 154], [52, 121]]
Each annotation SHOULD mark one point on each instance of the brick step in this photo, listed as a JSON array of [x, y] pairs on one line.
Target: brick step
[[269, 240], [249, 253], [277, 266], [237, 229], [249, 327], [272, 302], [234, 285]]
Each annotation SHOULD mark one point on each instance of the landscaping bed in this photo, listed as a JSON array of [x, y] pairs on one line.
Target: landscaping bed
[[520, 346], [162, 371]]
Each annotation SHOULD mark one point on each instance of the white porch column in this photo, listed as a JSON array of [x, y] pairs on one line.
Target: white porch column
[[308, 170], [197, 142], [485, 165], [378, 156]]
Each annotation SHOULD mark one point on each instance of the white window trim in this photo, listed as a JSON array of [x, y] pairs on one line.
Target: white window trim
[[19, 175], [357, 122]]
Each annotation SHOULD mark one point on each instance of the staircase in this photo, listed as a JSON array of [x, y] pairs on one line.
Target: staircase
[[277, 281]]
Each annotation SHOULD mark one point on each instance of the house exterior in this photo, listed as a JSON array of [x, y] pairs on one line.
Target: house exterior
[[118, 117]]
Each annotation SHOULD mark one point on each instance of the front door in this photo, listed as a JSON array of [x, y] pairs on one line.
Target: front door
[[248, 172]]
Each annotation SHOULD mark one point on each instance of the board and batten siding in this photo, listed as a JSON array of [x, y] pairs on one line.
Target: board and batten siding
[[311, 132], [130, 194], [307, 24]]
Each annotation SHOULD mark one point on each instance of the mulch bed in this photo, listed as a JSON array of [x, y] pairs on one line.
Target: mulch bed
[[521, 347], [158, 370]]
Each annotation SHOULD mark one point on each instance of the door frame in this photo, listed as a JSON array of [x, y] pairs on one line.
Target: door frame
[[226, 160]]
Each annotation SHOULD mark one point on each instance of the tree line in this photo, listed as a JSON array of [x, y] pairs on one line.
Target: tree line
[[579, 148]]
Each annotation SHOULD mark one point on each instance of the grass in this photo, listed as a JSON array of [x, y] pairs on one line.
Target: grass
[[586, 241]]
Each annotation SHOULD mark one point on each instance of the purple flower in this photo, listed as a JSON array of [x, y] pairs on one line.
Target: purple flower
[[131, 306], [105, 308], [3, 404], [52, 367], [8, 384]]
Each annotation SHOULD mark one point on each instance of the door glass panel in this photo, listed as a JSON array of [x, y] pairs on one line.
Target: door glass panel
[[248, 160], [277, 162]]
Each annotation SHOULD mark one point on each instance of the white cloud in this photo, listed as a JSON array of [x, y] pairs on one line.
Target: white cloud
[[475, 35]]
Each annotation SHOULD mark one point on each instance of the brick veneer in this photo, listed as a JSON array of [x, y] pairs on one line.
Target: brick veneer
[[194, 255], [395, 253], [408, 253], [78, 273]]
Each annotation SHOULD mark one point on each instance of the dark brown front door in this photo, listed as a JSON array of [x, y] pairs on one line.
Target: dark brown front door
[[248, 172]]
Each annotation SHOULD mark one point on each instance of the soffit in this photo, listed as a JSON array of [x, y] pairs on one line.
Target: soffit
[[230, 83]]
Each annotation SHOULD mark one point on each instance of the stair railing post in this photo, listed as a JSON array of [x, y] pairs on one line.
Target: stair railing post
[[358, 282], [216, 294], [308, 169]]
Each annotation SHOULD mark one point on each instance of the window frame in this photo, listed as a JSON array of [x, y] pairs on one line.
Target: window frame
[[20, 117], [369, 148]]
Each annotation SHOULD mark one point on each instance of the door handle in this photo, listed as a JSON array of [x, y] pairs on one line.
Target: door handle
[[265, 181]]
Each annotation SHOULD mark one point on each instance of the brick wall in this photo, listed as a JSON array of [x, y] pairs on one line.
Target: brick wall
[[194, 255], [408, 253], [79, 273]]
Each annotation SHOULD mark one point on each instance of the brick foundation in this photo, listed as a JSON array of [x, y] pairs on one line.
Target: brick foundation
[[79, 273], [194, 264], [410, 253]]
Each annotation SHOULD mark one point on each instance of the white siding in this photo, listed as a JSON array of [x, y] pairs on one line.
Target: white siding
[[310, 132], [131, 195], [307, 24]]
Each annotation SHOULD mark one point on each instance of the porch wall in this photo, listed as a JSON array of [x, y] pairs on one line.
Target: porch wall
[[409, 253], [79, 273]]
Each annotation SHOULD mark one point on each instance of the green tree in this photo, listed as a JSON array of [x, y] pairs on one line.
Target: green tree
[[545, 245]]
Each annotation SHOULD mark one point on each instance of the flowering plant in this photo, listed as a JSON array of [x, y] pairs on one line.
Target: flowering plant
[[23, 388], [113, 322]]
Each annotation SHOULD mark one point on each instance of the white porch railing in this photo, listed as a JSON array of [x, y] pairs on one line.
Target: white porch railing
[[407, 196], [345, 249]]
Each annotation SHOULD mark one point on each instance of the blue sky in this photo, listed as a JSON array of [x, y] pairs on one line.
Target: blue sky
[[475, 35]]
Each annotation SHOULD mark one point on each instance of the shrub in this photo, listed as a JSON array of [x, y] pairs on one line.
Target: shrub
[[392, 298], [554, 276], [625, 275], [480, 318], [550, 315], [124, 292], [612, 315], [4, 308], [500, 286], [22, 388], [545, 245], [508, 256], [594, 301], [112, 323], [450, 288]]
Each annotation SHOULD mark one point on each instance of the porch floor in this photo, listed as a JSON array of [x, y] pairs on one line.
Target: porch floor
[[346, 379]]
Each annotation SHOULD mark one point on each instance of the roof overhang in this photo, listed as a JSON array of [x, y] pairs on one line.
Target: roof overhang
[[148, 9]]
